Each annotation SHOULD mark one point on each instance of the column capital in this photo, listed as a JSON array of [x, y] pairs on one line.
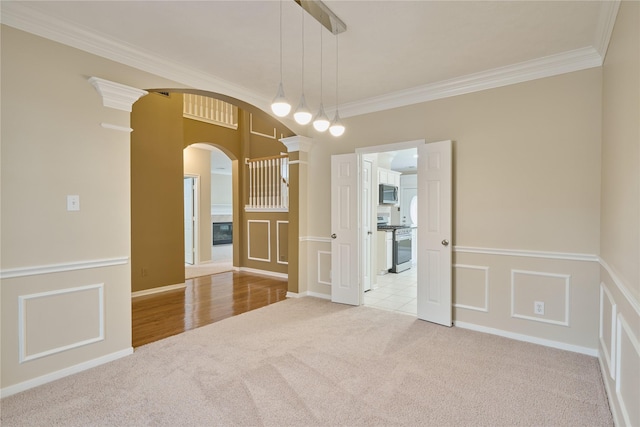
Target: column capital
[[116, 95], [298, 143]]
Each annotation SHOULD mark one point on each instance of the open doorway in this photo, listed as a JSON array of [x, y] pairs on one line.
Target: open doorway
[[214, 195], [392, 265]]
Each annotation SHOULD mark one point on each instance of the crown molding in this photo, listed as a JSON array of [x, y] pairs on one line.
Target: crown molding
[[27, 18], [116, 95], [22, 16], [606, 21], [566, 62]]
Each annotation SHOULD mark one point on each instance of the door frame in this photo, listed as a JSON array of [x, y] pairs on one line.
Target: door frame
[[360, 152], [196, 215]]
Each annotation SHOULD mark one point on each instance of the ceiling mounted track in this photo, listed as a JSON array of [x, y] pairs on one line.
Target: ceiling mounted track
[[323, 15]]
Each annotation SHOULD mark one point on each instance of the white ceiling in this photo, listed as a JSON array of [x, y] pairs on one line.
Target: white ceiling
[[393, 53]]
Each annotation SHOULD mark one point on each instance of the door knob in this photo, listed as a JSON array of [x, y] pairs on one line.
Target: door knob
[[333, 236], [369, 232], [445, 242]]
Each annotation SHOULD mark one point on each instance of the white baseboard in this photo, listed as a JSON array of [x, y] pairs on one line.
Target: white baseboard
[[528, 338], [308, 294], [610, 393], [158, 290], [35, 382], [265, 272]]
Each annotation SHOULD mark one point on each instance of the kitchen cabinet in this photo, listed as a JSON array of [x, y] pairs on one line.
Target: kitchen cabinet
[[385, 251], [387, 176]]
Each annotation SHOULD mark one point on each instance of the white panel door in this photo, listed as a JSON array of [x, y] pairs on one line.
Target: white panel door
[[189, 220], [434, 232], [367, 227], [345, 288]]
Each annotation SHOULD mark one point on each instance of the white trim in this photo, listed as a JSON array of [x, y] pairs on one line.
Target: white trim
[[552, 65], [319, 280], [528, 338], [28, 18], [606, 22], [308, 294], [248, 209], [567, 285], [22, 317], [116, 95], [278, 222], [268, 221], [297, 143], [60, 268], [259, 133], [609, 392], [264, 272], [116, 127], [315, 239], [609, 351], [623, 325], [621, 286], [484, 309], [526, 253], [158, 290], [298, 162], [52, 376], [196, 217]]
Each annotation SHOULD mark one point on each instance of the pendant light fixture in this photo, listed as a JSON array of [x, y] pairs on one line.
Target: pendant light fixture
[[280, 106], [321, 121], [337, 128], [302, 115]]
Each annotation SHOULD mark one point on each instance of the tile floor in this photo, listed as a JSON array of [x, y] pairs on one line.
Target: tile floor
[[394, 292]]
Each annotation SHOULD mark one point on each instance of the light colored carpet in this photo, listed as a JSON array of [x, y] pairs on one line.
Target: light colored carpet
[[307, 362]]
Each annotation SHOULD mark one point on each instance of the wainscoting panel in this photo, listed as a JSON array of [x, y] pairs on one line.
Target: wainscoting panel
[[628, 372], [47, 324], [607, 330], [529, 287], [259, 239], [324, 267], [471, 290], [282, 242]]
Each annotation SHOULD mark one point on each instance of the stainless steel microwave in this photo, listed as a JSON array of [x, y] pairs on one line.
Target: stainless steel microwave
[[388, 194]]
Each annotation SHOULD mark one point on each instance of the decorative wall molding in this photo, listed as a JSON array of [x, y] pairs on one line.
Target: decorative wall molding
[[484, 309], [528, 338], [259, 133], [158, 290], [278, 255], [567, 283], [625, 404], [609, 349], [621, 286], [116, 127], [319, 266], [56, 375], [525, 253], [315, 239], [268, 222], [116, 95], [61, 268], [23, 327]]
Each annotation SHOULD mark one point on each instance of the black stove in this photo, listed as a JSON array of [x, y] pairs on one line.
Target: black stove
[[391, 227]]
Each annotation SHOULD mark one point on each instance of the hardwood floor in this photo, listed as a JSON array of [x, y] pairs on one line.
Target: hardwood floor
[[205, 300]]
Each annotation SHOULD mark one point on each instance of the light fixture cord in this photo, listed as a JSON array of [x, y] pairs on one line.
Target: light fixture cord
[[336, 74], [320, 64], [302, 10], [280, 2]]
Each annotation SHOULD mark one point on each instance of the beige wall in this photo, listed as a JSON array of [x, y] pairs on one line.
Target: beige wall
[[198, 162], [53, 145], [620, 225], [526, 179]]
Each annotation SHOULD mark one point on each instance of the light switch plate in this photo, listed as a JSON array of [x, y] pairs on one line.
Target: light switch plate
[[73, 203]]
